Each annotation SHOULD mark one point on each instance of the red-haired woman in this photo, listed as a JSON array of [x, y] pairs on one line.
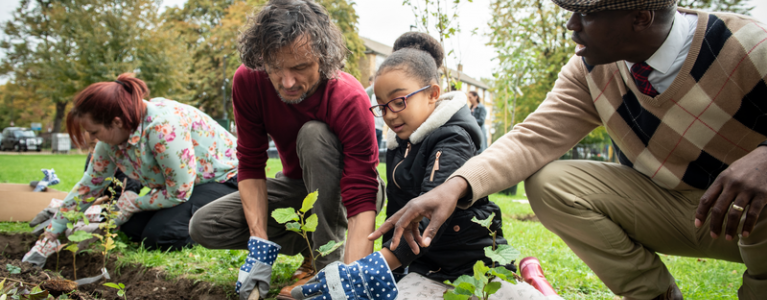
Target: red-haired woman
[[184, 156]]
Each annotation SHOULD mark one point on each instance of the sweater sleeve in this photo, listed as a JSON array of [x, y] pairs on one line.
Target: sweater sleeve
[[560, 122], [252, 141], [356, 130], [90, 186]]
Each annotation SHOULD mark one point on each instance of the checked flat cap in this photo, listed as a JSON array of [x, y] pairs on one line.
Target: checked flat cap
[[590, 6]]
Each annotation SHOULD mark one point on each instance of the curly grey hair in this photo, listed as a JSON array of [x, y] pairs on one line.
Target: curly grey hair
[[282, 22]]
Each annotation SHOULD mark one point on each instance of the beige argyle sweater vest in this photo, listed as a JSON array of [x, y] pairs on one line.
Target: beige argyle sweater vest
[[714, 113]]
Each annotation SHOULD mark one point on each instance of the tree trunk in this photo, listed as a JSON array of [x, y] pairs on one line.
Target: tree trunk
[[60, 111]]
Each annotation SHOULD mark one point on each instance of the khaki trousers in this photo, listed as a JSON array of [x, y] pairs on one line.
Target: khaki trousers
[[222, 224], [616, 220]]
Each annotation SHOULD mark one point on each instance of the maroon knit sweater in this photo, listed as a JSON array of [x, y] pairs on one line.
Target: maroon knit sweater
[[341, 103]]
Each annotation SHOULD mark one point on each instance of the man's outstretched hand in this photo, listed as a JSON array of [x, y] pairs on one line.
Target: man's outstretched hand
[[742, 185], [436, 205]]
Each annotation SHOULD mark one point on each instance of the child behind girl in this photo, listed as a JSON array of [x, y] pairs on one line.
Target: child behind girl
[[432, 135]]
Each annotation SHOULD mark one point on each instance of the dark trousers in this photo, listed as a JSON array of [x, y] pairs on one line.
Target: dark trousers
[[222, 224], [169, 228]]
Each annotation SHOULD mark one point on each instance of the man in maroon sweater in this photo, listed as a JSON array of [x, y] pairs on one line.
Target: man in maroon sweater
[[290, 88]]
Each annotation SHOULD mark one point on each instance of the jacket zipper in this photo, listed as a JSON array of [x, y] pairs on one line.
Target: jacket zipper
[[436, 165], [394, 178]]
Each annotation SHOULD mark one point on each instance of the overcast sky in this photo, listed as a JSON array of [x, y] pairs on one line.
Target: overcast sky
[[385, 20]]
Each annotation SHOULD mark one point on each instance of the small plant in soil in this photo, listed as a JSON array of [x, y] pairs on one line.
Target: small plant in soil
[[482, 284], [18, 290], [298, 222], [108, 227], [12, 269], [119, 287]]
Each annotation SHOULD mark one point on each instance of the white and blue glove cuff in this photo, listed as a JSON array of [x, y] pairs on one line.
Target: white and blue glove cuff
[[262, 250]]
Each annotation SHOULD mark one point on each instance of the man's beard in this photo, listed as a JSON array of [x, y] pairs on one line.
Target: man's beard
[[296, 101], [302, 97]]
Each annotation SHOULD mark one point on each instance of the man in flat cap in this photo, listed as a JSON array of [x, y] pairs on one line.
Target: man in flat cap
[[682, 94]]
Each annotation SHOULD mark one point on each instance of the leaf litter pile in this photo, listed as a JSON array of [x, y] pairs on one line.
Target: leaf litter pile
[[139, 282]]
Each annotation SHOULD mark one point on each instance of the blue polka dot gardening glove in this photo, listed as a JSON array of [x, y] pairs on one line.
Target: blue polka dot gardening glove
[[256, 273], [368, 278]]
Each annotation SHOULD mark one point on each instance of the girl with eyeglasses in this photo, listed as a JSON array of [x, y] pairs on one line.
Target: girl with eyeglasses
[[432, 134]]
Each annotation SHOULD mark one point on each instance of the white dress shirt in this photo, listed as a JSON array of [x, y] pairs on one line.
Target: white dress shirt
[[669, 58]]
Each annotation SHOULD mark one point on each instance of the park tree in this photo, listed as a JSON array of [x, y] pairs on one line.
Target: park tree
[[58, 47], [209, 29], [532, 44], [442, 18]]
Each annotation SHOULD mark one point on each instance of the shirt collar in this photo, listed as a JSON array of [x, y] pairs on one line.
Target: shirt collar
[[664, 57]]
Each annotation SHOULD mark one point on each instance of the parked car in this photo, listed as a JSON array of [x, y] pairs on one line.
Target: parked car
[[20, 139]]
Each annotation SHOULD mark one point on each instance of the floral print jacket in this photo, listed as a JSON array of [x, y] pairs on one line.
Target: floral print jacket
[[175, 147]]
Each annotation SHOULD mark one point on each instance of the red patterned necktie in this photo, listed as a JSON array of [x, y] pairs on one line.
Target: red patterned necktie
[[641, 71]]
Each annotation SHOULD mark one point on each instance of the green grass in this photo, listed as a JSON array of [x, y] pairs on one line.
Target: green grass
[[698, 279], [21, 168]]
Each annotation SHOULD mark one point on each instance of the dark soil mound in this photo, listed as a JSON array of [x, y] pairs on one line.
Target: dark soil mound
[[140, 282]]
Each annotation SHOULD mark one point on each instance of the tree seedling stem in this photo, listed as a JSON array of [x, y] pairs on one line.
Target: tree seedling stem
[[298, 222]]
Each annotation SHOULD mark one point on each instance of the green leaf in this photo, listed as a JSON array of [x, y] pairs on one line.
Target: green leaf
[[72, 248], [484, 223], [503, 254], [309, 201], [40, 295], [79, 236], [461, 279], [328, 248], [311, 223], [492, 287], [2, 284], [11, 269], [122, 286], [293, 226], [70, 226], [283, 215], [503, 273], [451, 295], [112, 285], [465, 288], [121, 293], [479, 272], [3, 297]]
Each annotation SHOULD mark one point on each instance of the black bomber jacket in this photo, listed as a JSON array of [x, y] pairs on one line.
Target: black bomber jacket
[[436, 149]]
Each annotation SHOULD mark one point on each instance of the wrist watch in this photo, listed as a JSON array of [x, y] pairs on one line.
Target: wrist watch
[[762, 144]]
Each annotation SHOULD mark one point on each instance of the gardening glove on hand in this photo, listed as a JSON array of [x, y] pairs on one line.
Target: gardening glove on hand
[[40, 251], [368, 278], [128, 205], [257, 270]]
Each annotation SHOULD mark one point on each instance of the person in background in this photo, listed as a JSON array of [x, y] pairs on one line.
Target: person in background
[[480, 113], [180, 153]]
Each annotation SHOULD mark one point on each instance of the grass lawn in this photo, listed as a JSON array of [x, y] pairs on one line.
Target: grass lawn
[[698, 279]]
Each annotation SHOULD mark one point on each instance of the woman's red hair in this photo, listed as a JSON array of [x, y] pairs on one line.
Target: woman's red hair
[[104, 101]]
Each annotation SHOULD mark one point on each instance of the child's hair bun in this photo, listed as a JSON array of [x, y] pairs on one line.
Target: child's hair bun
[[421, 41]]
